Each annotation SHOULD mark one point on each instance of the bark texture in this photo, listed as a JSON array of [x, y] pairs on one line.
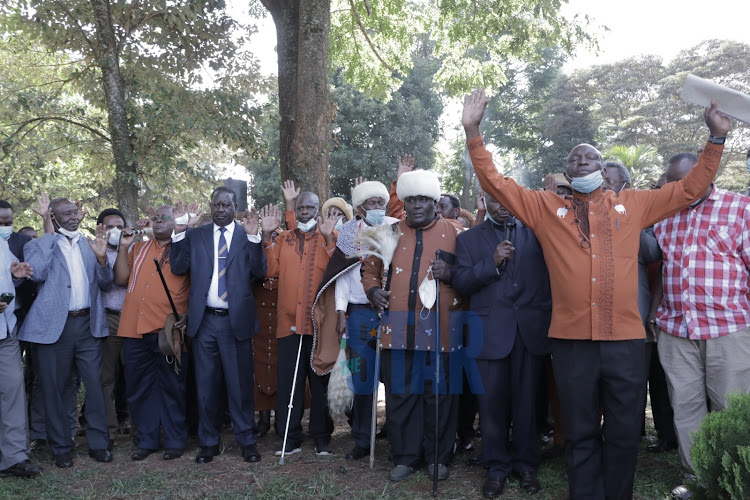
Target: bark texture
[[125, 182], [305, 106]]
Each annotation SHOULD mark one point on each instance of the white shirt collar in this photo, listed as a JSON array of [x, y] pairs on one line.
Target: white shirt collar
[[229, 227]]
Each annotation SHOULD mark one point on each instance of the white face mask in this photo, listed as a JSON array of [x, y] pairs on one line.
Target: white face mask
[[5, 232], [339, 224], [114, 236], [427, 293], [307, 226], [66, 232]]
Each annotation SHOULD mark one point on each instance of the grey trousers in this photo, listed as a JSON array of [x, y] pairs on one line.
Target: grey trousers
[[13, 423], [112, 357], [38, 424], [699, 368]]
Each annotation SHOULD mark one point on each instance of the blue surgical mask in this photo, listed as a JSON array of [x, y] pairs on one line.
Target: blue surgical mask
[[307, 226], [375, 217], [587, 183], [5, 232]]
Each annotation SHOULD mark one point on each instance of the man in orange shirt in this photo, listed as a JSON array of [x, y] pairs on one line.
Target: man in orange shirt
[[299, 257], [590, 242], [156, 394]]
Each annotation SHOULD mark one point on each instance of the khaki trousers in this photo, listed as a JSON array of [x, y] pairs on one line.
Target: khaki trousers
[[698, 370]]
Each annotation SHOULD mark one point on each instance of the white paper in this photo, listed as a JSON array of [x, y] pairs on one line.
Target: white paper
[[730, 102]]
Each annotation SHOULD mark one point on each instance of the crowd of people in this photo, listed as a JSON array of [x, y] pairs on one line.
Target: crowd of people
[[578, 296]]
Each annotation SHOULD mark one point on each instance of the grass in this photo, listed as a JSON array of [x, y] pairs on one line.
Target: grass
[[304, 476]]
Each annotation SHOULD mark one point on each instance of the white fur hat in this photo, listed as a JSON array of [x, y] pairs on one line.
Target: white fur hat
[[418, 183], [369, 189]]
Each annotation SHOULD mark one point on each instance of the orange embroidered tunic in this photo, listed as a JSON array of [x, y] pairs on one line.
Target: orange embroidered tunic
[[591, 242]]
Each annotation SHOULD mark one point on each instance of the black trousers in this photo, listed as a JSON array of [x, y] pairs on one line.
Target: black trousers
[[591, 377], [510, 387], [661, 407], [54, 365], [468, 406], [363, 319], [156, 393], [410, 408], [321, 424]]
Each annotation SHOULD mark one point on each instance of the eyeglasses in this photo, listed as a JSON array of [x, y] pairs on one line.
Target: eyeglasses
[[162, 218]]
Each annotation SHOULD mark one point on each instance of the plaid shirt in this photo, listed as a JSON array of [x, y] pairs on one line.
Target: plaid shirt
[[706, 253]]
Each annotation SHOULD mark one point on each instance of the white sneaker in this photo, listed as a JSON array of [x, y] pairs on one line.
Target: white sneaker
[[288, 452]]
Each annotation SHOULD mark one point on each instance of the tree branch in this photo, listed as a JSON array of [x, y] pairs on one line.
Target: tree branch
[[31, 121], [367, 37]]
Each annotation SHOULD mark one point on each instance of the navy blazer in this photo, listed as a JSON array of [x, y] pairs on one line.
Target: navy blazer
[[518, 297], [246, 262], [26, 291]]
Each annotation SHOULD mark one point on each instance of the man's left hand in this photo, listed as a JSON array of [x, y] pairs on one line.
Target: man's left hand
[[21, 269], [182, 323], [326, 226], [250, 220], [441, 271], [99, 244]]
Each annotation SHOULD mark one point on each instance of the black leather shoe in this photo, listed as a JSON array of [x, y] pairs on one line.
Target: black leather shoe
[[23, 469], [207, 454], [661, 446], [172, 453], [141, 453], [264, 422], [529, 482], [493, 487], [357, 453], [64, 461], [251, 453], [101, 455]]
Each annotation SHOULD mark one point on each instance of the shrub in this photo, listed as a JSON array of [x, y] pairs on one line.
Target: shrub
[[721, 451]]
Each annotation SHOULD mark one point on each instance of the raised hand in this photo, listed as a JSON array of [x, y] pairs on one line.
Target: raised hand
[[250, 221], [325, 226], [481, 205], [99, 244], [357, 181], [290, 194], [550, 183], [405, 164], [127, 237], [44, 211], [21, 269], [471, 116], [82, 212], [718, 123], [270, 221]]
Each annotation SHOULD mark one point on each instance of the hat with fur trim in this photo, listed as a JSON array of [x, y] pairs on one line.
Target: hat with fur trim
[[339, 203], [418, 183], [369, 189]]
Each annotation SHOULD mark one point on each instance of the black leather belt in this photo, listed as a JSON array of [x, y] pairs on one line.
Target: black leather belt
[[112, 311], [79, 312], [218, 312]]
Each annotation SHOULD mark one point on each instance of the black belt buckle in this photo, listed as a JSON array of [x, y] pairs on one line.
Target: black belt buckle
[[112, 311], [217, 312], [79, 312]]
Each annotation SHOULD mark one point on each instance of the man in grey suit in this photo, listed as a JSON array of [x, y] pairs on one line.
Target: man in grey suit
[[13, 437], [67, 321]]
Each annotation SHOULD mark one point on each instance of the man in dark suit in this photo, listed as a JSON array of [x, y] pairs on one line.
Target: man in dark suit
[[500, 267], [222, 318]]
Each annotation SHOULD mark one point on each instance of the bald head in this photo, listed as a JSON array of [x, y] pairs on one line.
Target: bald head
[[583, 160], [307, 206]]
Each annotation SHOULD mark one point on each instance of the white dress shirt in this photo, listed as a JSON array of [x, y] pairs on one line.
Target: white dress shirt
[[80, 296], [7, 318], [349, 289], [213, 299]]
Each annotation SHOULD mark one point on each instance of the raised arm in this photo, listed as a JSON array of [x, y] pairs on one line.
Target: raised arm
[[674, 196], [525, 204]]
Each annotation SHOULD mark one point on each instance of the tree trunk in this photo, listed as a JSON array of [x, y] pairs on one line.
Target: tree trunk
[[126, 182], [302, 31]]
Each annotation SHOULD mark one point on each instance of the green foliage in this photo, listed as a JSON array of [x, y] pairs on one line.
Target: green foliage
[[721, 451], [475, 42], [190, 86], [643, 163]]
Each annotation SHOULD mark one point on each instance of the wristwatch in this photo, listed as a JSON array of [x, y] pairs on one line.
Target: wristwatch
[[716, 140]]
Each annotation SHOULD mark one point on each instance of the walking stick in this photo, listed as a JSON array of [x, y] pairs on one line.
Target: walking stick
[[291, 402], [436, 385]]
